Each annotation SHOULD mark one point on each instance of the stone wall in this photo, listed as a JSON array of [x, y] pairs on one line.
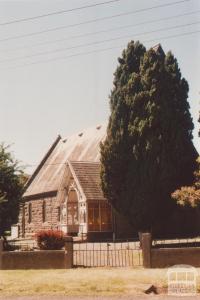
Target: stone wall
[[44, 259], [168, 257], [163, 258], [122, 228], [51, 259], [36, 224]]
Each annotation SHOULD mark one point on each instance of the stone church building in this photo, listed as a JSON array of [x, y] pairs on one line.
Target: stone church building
[[64, 192]]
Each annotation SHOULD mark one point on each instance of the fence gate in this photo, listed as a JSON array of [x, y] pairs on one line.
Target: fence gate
[[117, 254]]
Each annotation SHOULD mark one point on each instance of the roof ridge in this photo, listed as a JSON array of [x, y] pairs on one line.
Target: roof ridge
[[81, 132]]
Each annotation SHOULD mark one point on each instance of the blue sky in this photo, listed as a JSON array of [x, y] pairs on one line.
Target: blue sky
[[41, 100]]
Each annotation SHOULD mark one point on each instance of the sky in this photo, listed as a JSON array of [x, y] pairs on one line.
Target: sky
[[55, 83]]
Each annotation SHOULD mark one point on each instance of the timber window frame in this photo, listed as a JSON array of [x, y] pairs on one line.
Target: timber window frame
[[99, 217]]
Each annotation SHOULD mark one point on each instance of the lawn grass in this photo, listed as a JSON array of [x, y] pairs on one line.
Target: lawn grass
[[89, 281]]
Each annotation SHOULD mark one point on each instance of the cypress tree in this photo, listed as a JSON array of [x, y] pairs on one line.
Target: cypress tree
[[149, 136]]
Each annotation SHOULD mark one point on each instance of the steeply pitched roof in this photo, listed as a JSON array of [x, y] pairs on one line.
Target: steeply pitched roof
[[88, 176], [83, 146]]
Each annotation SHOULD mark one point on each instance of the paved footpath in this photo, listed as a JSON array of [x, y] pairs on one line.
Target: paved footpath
[[139, 297]]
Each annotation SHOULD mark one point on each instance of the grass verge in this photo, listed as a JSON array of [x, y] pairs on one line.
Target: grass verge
[[91, 281], [94, 281]]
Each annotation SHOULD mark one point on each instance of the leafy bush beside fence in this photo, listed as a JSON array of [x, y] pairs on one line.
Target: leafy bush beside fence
[[50, 239]]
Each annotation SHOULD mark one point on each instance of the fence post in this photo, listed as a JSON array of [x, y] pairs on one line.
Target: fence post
[[69, 252], [1, 252], [146, 249], [108, 254]]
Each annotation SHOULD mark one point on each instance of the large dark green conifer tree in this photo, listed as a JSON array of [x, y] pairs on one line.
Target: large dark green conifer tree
[[148, 151]]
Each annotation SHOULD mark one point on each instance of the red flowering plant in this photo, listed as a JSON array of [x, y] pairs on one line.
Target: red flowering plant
[[50, 239]]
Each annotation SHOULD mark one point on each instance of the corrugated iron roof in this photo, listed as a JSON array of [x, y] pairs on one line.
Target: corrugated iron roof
[[83, 146], [88, 176]]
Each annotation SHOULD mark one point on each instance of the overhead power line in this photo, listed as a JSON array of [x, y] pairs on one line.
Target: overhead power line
[[101, 31], [99, 50], [97, 42], [59, 12], [93, 21]]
